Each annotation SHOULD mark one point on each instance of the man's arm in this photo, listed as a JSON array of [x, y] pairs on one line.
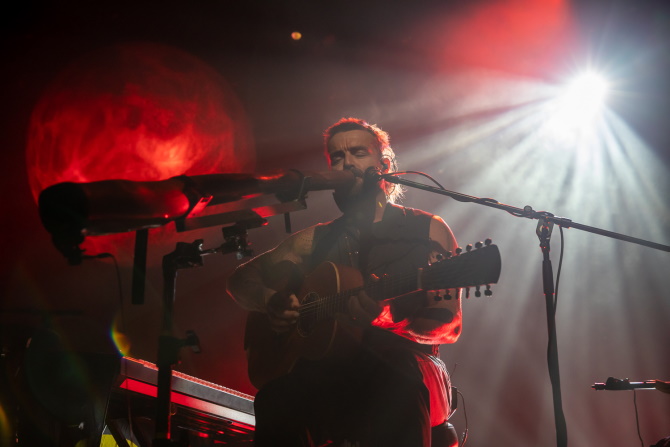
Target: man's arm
[[251, 287], [440, 320], [433, 321]]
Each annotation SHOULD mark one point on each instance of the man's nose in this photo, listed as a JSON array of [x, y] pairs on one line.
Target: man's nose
[[348, 161]]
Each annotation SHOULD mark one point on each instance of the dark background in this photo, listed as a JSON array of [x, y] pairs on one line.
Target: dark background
[[387, 63]]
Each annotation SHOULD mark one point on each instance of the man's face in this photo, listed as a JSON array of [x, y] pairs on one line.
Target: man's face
[[354, 150]]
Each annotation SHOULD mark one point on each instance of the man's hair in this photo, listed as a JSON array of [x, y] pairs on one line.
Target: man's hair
[[383, 144]]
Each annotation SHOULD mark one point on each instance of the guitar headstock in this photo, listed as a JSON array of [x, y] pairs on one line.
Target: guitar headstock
[[476, 266]]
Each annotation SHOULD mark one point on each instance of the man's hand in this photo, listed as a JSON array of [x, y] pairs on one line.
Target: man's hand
[[363, 309], [283, 312]]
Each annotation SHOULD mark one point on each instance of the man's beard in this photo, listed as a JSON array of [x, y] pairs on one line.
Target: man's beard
[[365, 189]]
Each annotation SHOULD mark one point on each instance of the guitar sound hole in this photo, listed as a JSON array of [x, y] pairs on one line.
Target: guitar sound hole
[[310, 314]]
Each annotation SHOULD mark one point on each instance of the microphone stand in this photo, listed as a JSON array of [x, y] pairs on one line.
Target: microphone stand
[[545, 225], [184, 256], [613, 384]]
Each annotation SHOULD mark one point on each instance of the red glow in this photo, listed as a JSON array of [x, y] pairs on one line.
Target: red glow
[[528, 38], [136, 112], [238, 419], [139, 112]]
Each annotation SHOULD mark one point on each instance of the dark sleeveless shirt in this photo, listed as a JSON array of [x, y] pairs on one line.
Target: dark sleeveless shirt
[[396, 245]]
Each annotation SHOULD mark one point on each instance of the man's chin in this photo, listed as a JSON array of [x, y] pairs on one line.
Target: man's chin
[[355, 196], [351, 191]]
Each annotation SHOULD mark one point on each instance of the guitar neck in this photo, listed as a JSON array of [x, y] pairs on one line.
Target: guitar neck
[[388, 287], [383, 289], [472, 268]]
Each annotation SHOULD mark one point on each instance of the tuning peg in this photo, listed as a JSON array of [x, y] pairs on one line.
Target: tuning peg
[[448, 254], [439, 257], [479, 244], [468, 247], [488, 241], [478, 293], [437, 297], [459, 250], [448, 295], [467, 292], [488, 291]]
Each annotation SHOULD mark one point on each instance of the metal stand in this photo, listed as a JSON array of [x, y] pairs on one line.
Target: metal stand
[[547, 220], [544, 234], [185, 256]]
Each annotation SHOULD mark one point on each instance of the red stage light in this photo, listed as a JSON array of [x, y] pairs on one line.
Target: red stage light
[[514, 36], [136, 112]]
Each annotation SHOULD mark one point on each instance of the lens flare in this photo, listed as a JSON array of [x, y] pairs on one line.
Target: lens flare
[[120, 339], [586, 93]]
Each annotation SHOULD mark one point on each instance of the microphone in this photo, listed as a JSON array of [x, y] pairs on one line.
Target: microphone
[[613, 384], [373, 175], [71, 211]]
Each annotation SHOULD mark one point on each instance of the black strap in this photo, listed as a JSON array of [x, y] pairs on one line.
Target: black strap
[[330, 236]]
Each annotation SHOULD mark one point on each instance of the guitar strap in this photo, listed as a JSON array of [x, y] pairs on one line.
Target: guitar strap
[[399, 241], [329, 240], [395, 245], [344, 243]]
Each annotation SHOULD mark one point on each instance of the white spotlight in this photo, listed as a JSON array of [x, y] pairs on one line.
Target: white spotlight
[[585, 94], [575, 114]]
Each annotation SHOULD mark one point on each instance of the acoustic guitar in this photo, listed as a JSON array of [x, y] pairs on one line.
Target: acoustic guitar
[[324, 294]]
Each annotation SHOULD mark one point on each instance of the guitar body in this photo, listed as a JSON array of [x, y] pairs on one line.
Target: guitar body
[[318, 334], [323, 330]]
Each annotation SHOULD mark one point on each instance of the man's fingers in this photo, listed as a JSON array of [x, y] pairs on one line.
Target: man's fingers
[[369, 305], [281, 324], [287, 315], [283, 312], [280, 303], [363, 308], [293, 302], [284, 321]]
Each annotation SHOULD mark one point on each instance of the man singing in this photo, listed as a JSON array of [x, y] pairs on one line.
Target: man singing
[[389, 388]]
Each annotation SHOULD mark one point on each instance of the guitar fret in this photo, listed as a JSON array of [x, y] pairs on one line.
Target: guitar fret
[[470, 269], [456, 272]]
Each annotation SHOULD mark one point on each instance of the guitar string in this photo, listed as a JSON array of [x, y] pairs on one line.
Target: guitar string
[[330, 302]]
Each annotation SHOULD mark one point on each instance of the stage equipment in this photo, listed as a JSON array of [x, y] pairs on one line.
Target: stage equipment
[[72, 211], [614, 384], [200, 410], [546, 222]]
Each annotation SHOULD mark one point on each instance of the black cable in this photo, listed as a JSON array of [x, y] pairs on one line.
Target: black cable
[[118, 281], [560, 266], [465, 415], [465, 412], [480, 201], [122, 326], [637, 418], [418, 173], [554, 377]]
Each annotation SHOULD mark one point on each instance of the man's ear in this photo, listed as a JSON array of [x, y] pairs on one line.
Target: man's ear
[[386, 164]]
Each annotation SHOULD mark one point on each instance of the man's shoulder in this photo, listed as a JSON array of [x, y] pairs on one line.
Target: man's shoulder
[[408, 211], [300, 242], [304, 241]]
